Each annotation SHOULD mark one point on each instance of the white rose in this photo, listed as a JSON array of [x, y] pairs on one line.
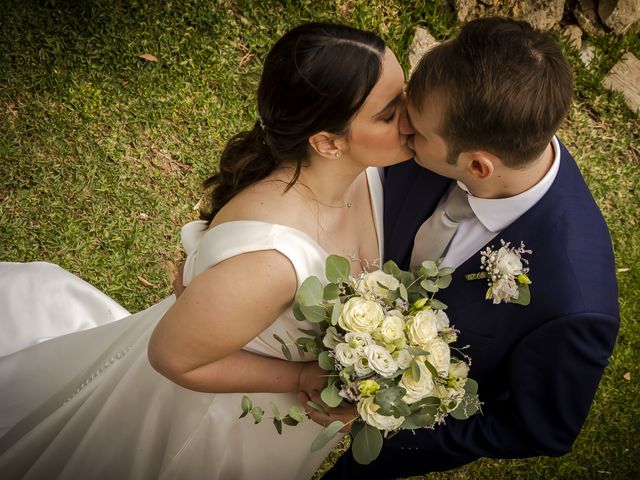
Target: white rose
[[362, 367], [504, 289], [508, 262], [377, 284], [380, 360], [439, 356], [367, 411], [423, 328], [458, 369], [331, 338], [345, 355], [392, 327], [442, 320], [403, 357], [417, 389], [358, 341], [361, 315]]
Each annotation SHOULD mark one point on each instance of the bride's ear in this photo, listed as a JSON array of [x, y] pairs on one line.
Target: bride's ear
[[325, 144]]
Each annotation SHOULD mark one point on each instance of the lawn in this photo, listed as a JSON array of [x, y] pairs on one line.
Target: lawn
[[103, 153]]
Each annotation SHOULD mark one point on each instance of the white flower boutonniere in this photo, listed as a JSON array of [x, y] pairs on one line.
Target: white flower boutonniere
[[506, 273]]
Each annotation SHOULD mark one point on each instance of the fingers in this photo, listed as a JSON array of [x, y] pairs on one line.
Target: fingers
[[344, 414], [303, 398]]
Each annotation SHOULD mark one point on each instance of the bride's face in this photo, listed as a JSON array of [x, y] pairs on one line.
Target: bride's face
[[378, 133]]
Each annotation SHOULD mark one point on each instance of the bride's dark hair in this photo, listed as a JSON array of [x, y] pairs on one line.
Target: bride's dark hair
[[315, 78]]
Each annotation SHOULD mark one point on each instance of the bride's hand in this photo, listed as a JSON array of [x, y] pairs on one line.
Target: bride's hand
[[344, 414], [311, 377]]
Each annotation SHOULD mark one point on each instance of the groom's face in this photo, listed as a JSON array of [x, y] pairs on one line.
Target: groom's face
[[428, 144]]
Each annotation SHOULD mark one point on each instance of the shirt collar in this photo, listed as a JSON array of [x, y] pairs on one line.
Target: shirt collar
[[496, 214]]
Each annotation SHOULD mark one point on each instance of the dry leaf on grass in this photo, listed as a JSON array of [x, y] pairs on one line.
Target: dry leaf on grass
[[148, 57]]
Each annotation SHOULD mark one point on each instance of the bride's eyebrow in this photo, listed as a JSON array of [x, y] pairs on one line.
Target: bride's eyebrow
[[389, 105]]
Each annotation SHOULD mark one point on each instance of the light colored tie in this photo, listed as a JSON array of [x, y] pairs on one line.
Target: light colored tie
[[437, 231]]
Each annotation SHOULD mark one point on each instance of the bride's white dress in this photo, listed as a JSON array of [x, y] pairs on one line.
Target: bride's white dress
[[86, 404]]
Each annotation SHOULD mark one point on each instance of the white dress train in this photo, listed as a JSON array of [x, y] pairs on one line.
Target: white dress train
[[87, 403]]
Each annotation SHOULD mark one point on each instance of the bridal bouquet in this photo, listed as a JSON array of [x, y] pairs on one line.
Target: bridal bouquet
[[384, 341]]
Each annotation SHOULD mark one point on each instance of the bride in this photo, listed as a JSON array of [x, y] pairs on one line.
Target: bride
[[157, 394]]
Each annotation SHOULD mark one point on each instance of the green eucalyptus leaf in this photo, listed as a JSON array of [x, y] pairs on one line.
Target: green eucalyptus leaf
[[444, 281], [310, 292], [277, 422], [415, 370], [429, 285], [471, 386], [402, 290], [289, 420], [524, 295], [285, 348], [286, 352], [431, 369], [296, 413], [311, 333], [366, 445], [246, 405], [437, 304], [429, 268], [469, 406], [335, 313], [317, 406], [416, 351], [297, 312], [390, 267], [274, 409], [406, 278], [331, 292], [325, 435], [307, 344], [257, 414], [314, 313], [330, 396], [420, 419], [390, 401], [294, 342], [446, 271], [337, 269], [393, 295], [325, 361]]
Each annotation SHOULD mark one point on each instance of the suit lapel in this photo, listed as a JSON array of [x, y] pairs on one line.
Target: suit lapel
[[411, 193], [533, 228]]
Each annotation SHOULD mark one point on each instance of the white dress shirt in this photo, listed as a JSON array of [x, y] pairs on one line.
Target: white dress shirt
[[492, 215]]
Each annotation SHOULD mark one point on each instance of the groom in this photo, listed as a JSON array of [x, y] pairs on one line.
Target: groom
[[485, 107]]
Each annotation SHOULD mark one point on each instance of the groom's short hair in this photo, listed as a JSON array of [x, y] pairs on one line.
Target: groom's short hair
[[504, 88]]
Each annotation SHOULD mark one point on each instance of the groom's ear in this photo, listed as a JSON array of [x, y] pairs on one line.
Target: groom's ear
[[479, 164], [324, 144]]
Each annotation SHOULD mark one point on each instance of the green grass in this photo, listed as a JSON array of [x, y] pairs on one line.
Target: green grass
[[102, 156]]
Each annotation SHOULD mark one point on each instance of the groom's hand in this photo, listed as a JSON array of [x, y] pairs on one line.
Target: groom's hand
[[343, 414]]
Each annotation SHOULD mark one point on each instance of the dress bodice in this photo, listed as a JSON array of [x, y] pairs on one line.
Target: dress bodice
[[207, 247]]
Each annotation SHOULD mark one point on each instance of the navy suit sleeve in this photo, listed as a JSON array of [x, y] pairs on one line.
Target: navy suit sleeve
[[553, 374]]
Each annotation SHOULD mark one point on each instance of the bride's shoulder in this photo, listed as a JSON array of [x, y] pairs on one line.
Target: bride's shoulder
[[266, 201]]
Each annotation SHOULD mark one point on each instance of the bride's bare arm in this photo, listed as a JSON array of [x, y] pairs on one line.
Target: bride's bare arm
[[197, 344]]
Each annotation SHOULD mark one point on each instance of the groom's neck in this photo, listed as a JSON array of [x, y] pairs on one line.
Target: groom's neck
[[507, 182]]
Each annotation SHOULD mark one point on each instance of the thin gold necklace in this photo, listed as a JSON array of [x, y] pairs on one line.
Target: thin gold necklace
[[320, 202]]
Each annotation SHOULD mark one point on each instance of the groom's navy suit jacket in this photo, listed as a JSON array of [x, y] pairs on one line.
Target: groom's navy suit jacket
[[538, 366]]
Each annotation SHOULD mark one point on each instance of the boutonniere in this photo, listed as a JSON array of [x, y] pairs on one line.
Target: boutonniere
[[506, 273]]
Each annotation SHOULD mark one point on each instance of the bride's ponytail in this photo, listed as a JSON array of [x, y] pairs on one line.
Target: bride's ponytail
[[315, 79], [245, 159]]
